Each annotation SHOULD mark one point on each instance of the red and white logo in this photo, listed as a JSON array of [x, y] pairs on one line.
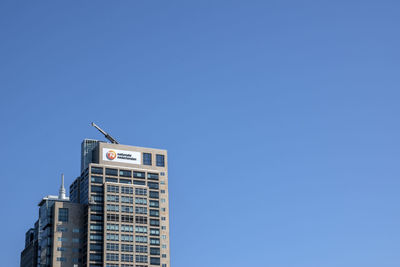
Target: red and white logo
[[111, 155]]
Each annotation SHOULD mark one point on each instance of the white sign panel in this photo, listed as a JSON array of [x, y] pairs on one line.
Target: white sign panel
[[123, 156]]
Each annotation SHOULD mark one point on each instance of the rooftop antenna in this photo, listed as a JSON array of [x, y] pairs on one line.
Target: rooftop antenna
[[61, 194], [109, 137]]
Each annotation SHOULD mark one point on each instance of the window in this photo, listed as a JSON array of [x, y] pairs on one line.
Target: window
[[112, 198], [141, 258], [162, 191], [96, 227], [94, 217], [141, 239], [127, 209], [96, 208], [154, 261], [154, 231], [112, 172], [147, 158], [141, 249], [112, 257], [112, 227], [95, 257], [127, 218], [152, 185], [113, 237], [61, 259], [141, 229], [125, 173], [127, 257], [139, 175], [96, 247], [160, 160], [112, 189], [164, 265], [125, 199], [96, 188], [111, 180], [141, 220], [154, 241], [75, 230], [164, 237], [63, 214], [61, 249], [152, 176], [62, 239], [110, 265], [126, 228], [112, 207], [96, 179], [163, 218], [112, 247], [97, 170], [139, 182], [140, 210], [141, 191], [97, 198], [154, 203], [126, 248], [154, 251], [127, 238], [125, 181], [154, 213], [96, 237], [113, 217], [154, 222], [153, 194], [126, 190], [140, 201], [75, 240]]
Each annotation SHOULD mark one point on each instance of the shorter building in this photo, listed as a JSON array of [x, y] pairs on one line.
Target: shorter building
[[29, 254], [56, 240]]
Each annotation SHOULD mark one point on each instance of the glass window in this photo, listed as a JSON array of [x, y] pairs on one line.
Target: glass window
[[112, 247], [154, 231], [140, 210], [154, 203], [154, 213], [111, 180], [154, 251], [96, 227], [97, 170], [125, 173], [141, 249], [140, 201], [154, 222], [96, 188], [153, 194], [97, 179], [141, 191], [154, 261], [96, 247], [125, 181], [112, 172], [152, 185], [63, 214], [152, 176], [141, 258], [147, 158], [139, 182], [139, 175], [160, 160]]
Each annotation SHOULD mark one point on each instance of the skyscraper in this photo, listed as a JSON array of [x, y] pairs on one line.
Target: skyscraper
[[122, 198]]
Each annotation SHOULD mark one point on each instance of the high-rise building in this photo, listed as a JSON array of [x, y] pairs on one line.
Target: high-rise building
[[121, 200]]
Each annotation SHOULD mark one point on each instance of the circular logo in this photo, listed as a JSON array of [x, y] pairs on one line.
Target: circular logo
[[111, 155]]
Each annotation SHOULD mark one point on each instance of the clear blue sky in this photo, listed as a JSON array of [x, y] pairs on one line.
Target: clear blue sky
[[281, 119]]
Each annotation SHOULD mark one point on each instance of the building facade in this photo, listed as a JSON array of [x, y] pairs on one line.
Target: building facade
[[118, 211]]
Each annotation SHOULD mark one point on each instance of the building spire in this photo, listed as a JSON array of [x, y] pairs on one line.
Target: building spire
[[61, 194]]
